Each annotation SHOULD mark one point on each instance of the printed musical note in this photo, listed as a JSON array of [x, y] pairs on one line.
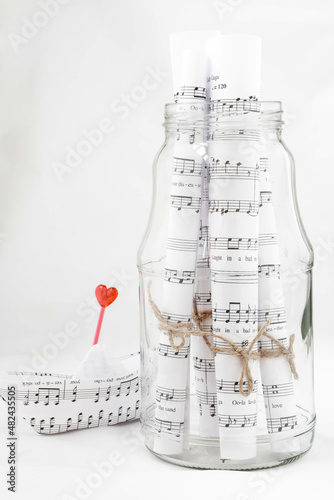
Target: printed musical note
[[26, 398], [176, 318], [185, 202], [263, 164], [235, 106], [45, 396], [205, 365], [52, 405], [249, 207], [278, 390], [235, 314], [277, 315], [181, 277], [265, 197], [164, 393], [97, 396], [232, 386], [203, 298], [187, 166], [265, 343], [170, 352], [220, 243], [74, 394], [203, 232], [205, 398], [169, 426], [228, 170], [270, 270], [190, 92], [238, 421], [280, 424]]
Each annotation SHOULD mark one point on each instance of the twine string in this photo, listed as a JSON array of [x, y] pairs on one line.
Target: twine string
[[183, 329]]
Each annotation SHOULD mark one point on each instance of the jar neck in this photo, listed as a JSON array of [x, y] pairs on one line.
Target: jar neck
[[196, 117]]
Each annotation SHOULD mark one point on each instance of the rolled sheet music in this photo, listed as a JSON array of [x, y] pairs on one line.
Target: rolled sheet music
[[181, 257], [277, 383], [235, 63]]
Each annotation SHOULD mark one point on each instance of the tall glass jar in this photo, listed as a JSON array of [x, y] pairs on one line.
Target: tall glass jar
[[260, 412]]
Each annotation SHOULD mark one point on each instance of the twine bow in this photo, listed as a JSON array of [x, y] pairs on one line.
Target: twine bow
[[184, 329]]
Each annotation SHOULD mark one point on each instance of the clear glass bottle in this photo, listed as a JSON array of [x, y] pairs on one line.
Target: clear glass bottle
[[286, 437]]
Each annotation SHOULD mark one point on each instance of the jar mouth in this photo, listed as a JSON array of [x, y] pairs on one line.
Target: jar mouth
[[233, 112]]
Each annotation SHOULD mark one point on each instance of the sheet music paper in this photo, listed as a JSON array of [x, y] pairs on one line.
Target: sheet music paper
[[186, 75], [53, 403], [181, 251], [277, 382], [233, 232]]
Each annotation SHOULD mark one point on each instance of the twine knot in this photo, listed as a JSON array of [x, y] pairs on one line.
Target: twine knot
[[184, 329]]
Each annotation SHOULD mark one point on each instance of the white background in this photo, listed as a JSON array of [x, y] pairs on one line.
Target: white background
[[60, 238]]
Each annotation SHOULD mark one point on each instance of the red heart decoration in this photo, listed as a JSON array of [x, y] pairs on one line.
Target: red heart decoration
[[105, 296]]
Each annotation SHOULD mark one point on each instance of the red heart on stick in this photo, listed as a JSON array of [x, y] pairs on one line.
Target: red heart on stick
[[105, 296]]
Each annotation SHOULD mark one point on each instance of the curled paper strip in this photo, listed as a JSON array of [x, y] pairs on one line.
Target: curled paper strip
[[53, 403]]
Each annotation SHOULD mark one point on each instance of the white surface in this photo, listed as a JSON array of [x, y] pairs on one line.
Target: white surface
[[59, 240]]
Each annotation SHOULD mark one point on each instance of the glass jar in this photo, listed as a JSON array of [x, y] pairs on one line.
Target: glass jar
[[213, 271]]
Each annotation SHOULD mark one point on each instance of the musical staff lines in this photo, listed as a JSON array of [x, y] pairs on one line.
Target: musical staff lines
[[249, 207], [268, 270], [280, 424], [190, 92], [234, 135], [268, 239], [204, 365], [232, 387], [228, 170], [234, 314], [53, 396], [276, 314], [175, 395], [240, 278], [203, 298], [270, 344], [265, 198], [272, 391], [181, 277], [207, 398], [168, 351], [169, 427], [182, 245], [203, 232], [186, 166], [50, 426], [237, 421], [185, 202], [235, 106], [176, 318], [243, 344], [233, 243], [263, 163]]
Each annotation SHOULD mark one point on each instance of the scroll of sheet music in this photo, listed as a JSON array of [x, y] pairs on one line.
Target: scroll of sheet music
[[222, 253], [181, 258]]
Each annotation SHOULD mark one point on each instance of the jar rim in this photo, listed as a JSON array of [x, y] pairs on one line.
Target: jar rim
[[203, 114]]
